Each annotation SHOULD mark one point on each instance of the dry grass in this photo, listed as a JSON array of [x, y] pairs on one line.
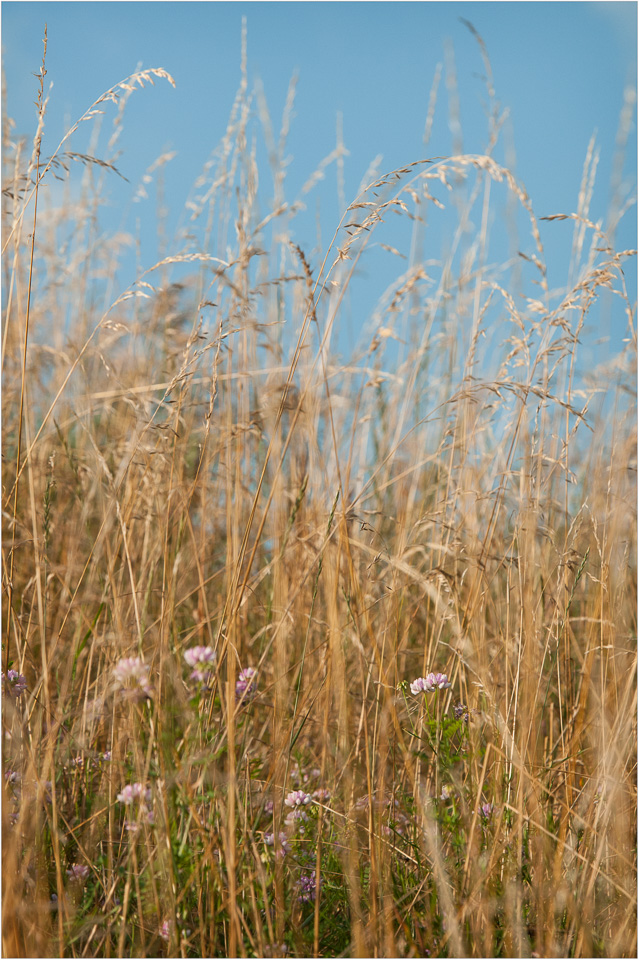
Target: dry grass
[[189, 462]]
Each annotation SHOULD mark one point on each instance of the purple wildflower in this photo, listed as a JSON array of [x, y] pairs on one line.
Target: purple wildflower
[[102, 758], [297, 816], [460, 712], [132, 826], [133, 792], [321, 794], [486, 810], [297, 798], [132, 675], [14, 684], [285, 847], [201, 659], [306, 886], [165, 929], [78, 872], [434, 681], [245, 688], [300, 775]]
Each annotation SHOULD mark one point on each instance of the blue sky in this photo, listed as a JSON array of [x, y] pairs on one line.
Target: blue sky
[[560, 69]]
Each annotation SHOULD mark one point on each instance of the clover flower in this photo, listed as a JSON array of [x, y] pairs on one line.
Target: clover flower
[[128, 796], [131, 674], [297, 798], [14, 684], [133, 826], [434, 681], [245, 687], [460, 712], [78, 872], [306, 886], [201, 659], [285, 847], [97, 762], [486, 810], [298, 816], [321, 794], [133, 792], [300, 775]]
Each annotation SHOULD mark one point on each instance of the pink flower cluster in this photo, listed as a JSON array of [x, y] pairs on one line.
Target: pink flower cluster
[[131, 674], [14, 684], [321, 794], [306, 886], [434, 681], [460, 712], [129, 795], [486, 810], [77, 872], [297, 798], [300, 775], [285, 847], [133, 792], [201, 659], [297, 818], [245, 688]]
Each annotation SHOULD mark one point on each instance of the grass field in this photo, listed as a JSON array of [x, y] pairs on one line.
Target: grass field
[[310, 655]]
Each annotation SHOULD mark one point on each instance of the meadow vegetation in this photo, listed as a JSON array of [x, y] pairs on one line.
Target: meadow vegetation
[[304, 654]]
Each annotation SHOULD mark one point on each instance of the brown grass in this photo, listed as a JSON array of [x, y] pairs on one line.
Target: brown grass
[[192, 463]]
